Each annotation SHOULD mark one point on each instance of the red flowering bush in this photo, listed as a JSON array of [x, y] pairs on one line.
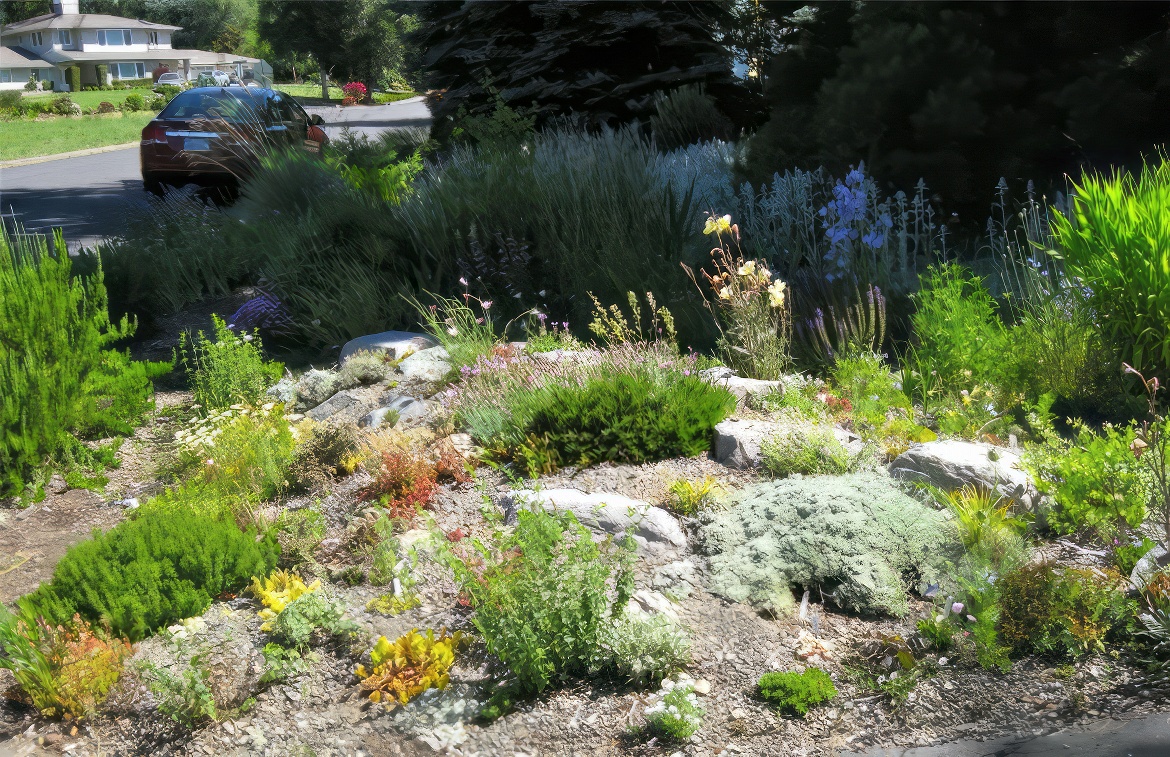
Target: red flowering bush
[[355, 91], [404, 484]]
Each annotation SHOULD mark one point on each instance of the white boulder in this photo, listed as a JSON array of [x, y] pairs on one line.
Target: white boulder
[[952, 464], [652, 527]]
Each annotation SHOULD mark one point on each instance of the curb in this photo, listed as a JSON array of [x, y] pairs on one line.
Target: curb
[[62, 155]]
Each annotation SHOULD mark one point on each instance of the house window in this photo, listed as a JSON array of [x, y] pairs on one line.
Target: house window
[[64, 37], [114, 37], [5, 75], [152, 38], [129, 70], [36, 39]]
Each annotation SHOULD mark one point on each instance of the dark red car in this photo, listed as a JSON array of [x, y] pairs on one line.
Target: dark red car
[[218, 135]]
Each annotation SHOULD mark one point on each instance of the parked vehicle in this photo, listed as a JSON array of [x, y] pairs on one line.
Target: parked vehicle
[[171, 79], [217, 135]]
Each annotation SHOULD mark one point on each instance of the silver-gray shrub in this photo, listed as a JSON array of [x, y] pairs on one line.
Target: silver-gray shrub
[[592, 208], [856, 538], [643, 650]]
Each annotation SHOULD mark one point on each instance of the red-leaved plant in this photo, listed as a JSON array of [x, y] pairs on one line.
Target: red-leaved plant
[[403, 485]]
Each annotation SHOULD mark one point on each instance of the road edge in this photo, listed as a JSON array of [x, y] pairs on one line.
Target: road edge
[[62, 155]]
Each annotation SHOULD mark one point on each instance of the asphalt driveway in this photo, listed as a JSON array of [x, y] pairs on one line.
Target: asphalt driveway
[[89, 197]]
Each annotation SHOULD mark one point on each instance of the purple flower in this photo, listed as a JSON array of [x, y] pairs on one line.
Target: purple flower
[[487, 304], [957, 608]]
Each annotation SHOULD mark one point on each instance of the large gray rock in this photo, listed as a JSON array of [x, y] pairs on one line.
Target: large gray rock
[[653, 528], [410, 411], [951, 465], [343, 402], [742, 388], [396, 343], [738, 442], [1150, 563], [314, 387], [427, 366]]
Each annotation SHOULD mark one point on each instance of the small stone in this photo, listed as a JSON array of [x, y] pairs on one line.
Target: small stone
[[739, 713], [702, 687]]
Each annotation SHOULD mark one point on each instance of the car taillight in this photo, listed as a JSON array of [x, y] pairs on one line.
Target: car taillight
[[154, 133]]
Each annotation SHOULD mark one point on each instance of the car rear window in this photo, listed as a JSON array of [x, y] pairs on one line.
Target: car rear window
[[236, 105]]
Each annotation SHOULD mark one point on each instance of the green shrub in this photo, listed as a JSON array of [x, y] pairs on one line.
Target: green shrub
[[631, 417], [541, 596], [986, 526], [63, 105], [643, 650], [857, 537], [10, 101], [133, 103], [185, 697], [872, 390], [73, 77], [1062, 611], [58, 376], [1096, 481], [677, 714], [812, 450], [685, 116], [227, 370], [688, 498], [797, 692], [957, 327], [146, 573], [103, 72], [1115, 242]]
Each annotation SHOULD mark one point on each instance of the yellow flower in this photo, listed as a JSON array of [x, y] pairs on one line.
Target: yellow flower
[[725, 293], [748, 268], [776, 294], [717, 225]]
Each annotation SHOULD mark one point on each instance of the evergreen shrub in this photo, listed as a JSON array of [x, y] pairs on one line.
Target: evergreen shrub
[[149, 572], [797, 692], [58, 376]]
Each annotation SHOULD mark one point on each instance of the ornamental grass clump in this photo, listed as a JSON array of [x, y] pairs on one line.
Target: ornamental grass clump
[[751, 309], [1114, 239]]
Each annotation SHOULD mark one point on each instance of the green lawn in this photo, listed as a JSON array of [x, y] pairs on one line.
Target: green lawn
[[94, 99], [310, 94], [21, 138]]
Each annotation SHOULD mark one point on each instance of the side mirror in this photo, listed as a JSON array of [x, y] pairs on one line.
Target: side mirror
[[316, 120]]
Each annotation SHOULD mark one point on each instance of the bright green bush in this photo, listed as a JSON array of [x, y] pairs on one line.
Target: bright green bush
[[58, 376], [872, 390], [73, 77], [133, 103], [542, 594], [797, 692], [811, 450], [228, 369], [857, 536], [1115, 240], [146, 573], [1095, 480], [957, 326], [1061, 611], [629, 418]]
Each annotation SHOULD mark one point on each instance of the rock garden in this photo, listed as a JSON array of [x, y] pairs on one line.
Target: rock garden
[[856, 496]]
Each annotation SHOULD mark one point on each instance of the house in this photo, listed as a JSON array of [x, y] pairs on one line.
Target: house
[[46, 47]]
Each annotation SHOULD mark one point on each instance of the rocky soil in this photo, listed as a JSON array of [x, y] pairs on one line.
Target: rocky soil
[[321, 712]]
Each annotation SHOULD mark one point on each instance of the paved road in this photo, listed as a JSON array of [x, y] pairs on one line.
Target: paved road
[[90, 197], [1142, 737]]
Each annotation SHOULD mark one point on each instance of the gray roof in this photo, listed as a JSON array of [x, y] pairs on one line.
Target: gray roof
[[18, 57], [82, 21]]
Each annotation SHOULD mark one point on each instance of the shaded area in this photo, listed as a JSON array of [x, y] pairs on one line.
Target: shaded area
[[1144, 737]]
